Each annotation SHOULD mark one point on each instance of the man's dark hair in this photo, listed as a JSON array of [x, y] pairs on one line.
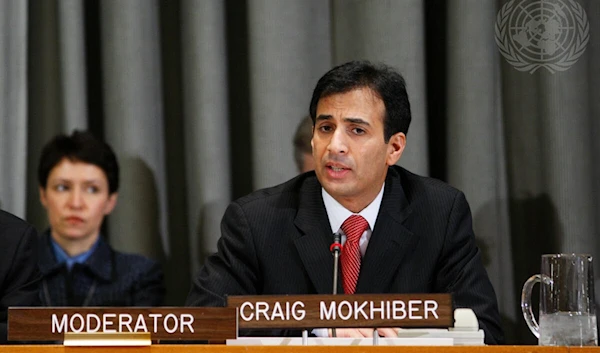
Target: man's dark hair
[[81, 146], [385, 82]]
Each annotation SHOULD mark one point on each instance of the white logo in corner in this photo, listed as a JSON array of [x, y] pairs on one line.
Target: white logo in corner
[[551, 34]]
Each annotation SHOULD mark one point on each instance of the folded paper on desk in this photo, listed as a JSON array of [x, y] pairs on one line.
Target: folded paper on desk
[[465, 332], [459, 338]]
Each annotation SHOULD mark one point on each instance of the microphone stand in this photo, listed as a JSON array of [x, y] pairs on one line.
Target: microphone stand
[[335, 248]]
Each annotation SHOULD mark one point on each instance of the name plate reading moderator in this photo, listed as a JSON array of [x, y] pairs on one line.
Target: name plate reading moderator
[[163, 323]]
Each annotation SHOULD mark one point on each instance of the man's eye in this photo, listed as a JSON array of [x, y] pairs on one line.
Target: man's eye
[[61, 187], [358, 131], [92, 189], [325, 128]]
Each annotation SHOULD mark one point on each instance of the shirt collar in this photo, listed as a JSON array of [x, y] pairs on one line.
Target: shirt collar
[[337, 213], [63, 257]]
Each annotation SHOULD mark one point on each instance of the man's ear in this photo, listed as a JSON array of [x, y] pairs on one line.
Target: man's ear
[[112, 202], [396, 146]]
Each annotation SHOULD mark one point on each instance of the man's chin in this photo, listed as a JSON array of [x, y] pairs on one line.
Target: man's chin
[[338, 189]]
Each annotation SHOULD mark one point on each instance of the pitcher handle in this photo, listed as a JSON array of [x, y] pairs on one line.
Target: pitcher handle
[[526, 304]]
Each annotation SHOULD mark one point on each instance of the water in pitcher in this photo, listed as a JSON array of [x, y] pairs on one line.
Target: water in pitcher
[[568, 329]]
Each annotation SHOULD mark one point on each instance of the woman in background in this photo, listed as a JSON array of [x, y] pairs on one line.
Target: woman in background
[[78, 179]]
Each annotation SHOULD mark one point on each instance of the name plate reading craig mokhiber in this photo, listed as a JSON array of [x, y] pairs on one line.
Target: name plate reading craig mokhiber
[[162, 323], [357, 310]]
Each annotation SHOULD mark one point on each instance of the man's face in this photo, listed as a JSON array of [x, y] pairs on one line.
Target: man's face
[[76, 199], [350, 153]]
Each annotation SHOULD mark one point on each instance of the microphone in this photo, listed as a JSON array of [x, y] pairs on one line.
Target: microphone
[[335, 248]]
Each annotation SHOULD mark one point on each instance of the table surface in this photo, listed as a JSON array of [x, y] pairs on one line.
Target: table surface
[[176, 348]]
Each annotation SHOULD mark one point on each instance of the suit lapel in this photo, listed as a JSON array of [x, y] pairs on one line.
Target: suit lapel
[[390, 240], [313, 245]]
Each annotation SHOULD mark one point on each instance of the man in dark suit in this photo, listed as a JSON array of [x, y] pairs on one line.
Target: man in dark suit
[[19, 276], [402, 233]]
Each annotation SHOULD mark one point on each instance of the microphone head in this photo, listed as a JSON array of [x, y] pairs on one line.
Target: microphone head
[[337, 238], [336, 246]]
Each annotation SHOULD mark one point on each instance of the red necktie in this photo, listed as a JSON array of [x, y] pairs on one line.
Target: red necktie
[[354, 226]]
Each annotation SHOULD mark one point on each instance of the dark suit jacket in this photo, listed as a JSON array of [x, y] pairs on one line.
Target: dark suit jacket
[[19, 276], [107, 278], [276, 241]]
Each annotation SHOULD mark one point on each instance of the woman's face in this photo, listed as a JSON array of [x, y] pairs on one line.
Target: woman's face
[[76, 199]]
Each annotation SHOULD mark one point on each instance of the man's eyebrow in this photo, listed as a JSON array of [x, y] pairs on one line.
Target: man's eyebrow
[[324, 117], [357, 121]]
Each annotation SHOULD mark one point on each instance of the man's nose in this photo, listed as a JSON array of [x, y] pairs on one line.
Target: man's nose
[[338, 142]]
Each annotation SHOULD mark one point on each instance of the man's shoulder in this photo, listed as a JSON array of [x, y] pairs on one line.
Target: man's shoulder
[[10, 220], [287, 192], [11, 225], [418, 186]]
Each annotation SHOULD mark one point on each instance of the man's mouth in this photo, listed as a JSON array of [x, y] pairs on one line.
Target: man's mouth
[[337, 171]]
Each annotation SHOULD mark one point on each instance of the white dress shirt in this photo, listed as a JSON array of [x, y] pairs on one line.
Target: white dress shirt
[[337, 215]]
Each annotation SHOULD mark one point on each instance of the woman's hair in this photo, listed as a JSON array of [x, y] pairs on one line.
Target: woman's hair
[[80, 146]]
